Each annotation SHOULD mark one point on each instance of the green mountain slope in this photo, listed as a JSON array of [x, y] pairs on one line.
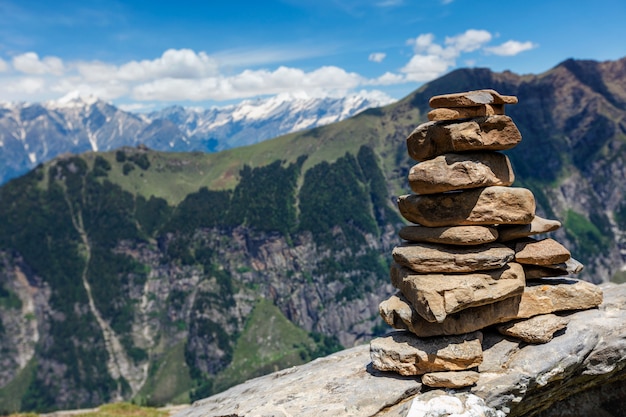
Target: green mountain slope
[[160, 277]]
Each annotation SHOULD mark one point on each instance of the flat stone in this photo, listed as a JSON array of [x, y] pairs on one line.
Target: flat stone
[[471, 98], [538, 271], [493, 133], [407, 354], [453, 171], [537, 226], [540, 252], [432, 257], [450, 235], [543, 296], [435, 296], [450, 379], [481, 206], [458, 113], [537, 329], [571, 266]]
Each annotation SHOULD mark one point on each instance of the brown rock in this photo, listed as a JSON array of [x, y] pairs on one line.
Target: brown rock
[[471, 98], [543, 296], [540, 252], [571, 266], [407, 354], [537, 329], [451, 172], [537, 271], [435, 296], [493, 133], [537, 226], [432, 257], [458, 113], [481, 206], [451, 235], [450, 379]]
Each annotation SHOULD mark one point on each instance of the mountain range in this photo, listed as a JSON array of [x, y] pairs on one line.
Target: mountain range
[[163, 276], [32, 133]]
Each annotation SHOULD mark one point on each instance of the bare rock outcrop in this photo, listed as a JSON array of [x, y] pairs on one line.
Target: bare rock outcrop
[[582, 372]]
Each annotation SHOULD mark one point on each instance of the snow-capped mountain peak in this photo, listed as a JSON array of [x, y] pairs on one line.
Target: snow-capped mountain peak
[[31, 133], [73, 99]]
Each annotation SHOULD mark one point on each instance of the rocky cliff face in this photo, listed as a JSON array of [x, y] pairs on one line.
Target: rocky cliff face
[[581, 372]]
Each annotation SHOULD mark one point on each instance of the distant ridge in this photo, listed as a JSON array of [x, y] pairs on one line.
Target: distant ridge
[[32, 133]]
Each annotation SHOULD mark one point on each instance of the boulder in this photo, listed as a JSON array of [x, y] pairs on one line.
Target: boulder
[[453, 171], [450, 235], [480, 206], [433, 257], [493, 133], [537, 226], [407, 354], [435, 296], [543, 296]]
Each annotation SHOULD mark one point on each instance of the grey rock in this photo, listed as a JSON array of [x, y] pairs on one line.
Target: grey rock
[[343, 384], [586, 363]]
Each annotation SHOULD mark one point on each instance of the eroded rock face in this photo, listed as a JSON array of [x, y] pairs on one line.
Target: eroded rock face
[[581, 372], [481, 206]]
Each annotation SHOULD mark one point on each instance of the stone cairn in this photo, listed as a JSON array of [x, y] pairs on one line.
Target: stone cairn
[[469, 262]]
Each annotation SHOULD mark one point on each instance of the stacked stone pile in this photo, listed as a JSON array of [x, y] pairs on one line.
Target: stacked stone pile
[[472, 260]]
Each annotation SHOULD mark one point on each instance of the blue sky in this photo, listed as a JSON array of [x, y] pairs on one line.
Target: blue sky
[[143, 55]]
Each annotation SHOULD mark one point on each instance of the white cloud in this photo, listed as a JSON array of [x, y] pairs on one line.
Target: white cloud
[[25, 85], [377, 56], [29, 63], [249, 83], [187, 75], [425, 67], [174, 63], [510, 48], [468, 41]]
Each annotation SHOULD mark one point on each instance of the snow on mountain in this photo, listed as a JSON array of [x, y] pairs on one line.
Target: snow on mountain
[[32, 133], [253, 121]]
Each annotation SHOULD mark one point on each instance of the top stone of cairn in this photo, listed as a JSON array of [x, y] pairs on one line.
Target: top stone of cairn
[[470, 99]]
